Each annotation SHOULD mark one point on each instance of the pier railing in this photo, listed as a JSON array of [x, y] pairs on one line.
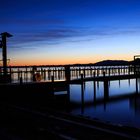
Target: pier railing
[[65, 72]]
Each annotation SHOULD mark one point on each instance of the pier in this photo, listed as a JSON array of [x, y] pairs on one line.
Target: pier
[[64, 72], [42, 93], [50, 78]]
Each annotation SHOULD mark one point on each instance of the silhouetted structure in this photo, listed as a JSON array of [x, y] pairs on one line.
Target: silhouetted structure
[[3, 45], [67, 73], [136, 63]]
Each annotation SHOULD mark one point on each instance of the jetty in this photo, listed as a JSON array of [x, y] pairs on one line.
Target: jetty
[[29, 99]]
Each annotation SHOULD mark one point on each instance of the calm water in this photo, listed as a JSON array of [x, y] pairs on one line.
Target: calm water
[[121, 108]]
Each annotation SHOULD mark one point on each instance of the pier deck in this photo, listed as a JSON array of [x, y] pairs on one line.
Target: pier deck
[[105, 78]]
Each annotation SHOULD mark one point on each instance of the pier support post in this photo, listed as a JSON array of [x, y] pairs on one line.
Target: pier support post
[[129, 70], [94, 83], [106, 90], [94, 74], [21, 80], [34, 69], [82, 77], [52, 78], [67, 73], [44, 74], [82, 96], [119, 71], [84, 72], [97, 72], [10, 71], [52, 84], [136, 85], [109, 71], [103, 73]]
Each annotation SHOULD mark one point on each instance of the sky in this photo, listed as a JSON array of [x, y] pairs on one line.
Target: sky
[[70, 31]]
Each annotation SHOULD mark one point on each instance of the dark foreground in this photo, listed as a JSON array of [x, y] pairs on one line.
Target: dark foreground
[[28, 113], [27, 122]]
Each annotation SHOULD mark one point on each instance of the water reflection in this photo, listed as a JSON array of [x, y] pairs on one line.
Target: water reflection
[[134, 104], [121, 87], [121, 105]]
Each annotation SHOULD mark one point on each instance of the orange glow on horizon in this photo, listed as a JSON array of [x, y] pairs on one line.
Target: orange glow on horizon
[[85, 60]]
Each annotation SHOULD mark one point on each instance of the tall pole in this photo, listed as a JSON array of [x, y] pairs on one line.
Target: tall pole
[[4, 52]]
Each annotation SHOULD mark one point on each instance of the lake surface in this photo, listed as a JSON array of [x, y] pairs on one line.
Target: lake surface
[[122, 106]]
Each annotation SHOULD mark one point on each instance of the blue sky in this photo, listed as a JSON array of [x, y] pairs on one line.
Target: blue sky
[[70, 31]]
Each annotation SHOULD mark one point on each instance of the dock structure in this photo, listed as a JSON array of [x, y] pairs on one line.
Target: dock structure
[[64, 72], [25, 103], [51, 78], [70, 74]]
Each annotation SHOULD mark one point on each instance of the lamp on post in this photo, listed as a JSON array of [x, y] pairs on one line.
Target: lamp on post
[[3, 45]]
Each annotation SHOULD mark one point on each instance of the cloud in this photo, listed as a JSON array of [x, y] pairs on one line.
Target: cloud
[[71, 34], [50, 35]]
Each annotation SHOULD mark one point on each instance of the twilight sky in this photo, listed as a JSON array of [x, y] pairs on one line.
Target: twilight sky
[[70, 31]]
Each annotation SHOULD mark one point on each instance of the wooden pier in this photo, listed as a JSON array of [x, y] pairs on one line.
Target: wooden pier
[[64, 72], [59, 78]]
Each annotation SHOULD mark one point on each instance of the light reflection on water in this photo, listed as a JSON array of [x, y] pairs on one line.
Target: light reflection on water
[[122, 110], [125, 111], [122, 86]]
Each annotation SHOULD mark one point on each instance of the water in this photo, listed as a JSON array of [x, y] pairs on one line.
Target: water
[[122, 107]]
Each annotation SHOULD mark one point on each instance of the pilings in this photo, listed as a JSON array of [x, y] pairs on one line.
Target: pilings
[[67, 72], [94, 86], [136, 85], [55, 73]]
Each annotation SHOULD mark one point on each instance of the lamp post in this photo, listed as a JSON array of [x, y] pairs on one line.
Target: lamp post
[[3, 43]]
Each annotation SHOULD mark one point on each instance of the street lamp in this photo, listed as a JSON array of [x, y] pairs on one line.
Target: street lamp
[[3, 45]]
